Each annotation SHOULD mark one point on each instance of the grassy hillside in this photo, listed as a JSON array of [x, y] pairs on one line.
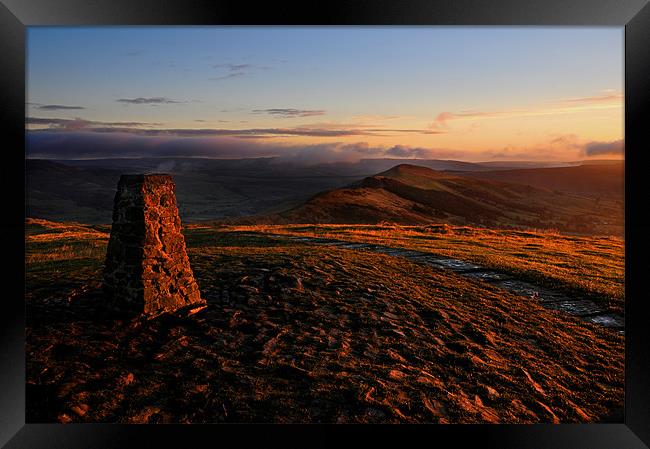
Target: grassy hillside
[[604, 180], [590, 266], [303, 333], [261, 188], [409, 194]]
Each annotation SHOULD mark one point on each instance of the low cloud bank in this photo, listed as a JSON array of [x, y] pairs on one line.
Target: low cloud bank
[[289, 112], [114, 144], [150, 100], [616, 147]]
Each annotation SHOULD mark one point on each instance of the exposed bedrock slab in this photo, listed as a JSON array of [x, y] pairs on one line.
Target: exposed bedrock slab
[[147, 270]]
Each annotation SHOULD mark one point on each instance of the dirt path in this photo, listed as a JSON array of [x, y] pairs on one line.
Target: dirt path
[[552, 299]]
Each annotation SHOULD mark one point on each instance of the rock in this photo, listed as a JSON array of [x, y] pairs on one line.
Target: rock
[[200, 388], [553, 416], [532, 382], [491, 392], [147, 270], [249, 288], [80, 409], [395, 356], [286, 282], [64, 418], [583, 416]]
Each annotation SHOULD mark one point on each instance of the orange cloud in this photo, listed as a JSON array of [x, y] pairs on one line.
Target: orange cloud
[[607, 98], [563, 106], [441, 120], [564, 147]]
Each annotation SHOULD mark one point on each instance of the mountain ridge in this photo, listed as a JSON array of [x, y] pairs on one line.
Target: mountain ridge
[[413, 195]]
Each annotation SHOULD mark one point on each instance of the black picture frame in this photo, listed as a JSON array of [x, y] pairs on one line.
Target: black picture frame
[[15, 15]]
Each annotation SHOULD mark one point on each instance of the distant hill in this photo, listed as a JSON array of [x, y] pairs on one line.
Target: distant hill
[[409, 194], [83, 190], [261, 188], [511, 165], [66, 193], [368, 167], [207, 189], [600, 179]]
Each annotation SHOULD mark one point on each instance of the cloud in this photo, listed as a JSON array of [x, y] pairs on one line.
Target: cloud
[[81, 145], [373, 129], [236, 67], [241, 67], [406, 151], [228, 76], [565, 147], [136, 128], [339, 152], [289, 112], [329, 153], [79, 123], [523, 153], [566, 141], [150, 100], [55, 107], [252, 132], [404, 131], [237, 70], [51, 144], [605, 98], [377, 118], [440, 122], [616, 147], [609, 99]]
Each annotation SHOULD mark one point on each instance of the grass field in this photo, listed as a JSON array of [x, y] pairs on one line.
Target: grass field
[[592, 266], [302, 333]]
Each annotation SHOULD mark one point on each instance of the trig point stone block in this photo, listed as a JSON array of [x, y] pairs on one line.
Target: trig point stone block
[[147, 270]]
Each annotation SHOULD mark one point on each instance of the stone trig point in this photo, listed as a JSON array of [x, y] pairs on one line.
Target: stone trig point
[[147, 270]]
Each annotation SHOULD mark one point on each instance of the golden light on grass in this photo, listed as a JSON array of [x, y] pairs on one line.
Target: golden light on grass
[[593, 265], [393, 340]]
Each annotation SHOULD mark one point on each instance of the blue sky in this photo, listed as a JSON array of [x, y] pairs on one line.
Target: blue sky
[[476, 91]]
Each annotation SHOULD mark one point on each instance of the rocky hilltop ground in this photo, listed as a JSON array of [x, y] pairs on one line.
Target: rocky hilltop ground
[[296, 332]]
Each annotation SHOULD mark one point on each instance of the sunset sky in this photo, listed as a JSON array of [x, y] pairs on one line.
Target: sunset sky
[[325, 94]]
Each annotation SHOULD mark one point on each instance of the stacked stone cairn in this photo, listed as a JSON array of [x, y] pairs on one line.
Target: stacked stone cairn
[[147, 270]]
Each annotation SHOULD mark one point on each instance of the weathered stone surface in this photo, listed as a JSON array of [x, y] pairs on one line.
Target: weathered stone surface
[[147, 269]]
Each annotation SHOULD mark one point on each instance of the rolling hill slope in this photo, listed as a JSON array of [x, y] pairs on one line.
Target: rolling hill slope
[[605, 180], [408, 194]]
